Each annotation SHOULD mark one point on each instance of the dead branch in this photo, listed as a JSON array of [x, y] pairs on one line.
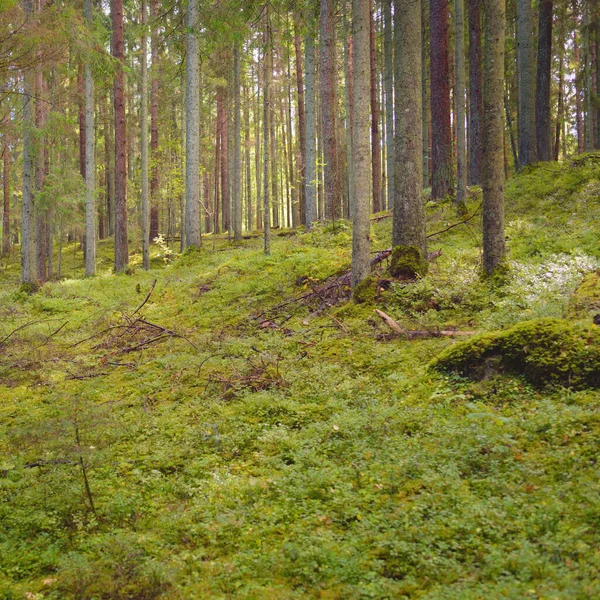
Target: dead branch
[[146, 298], [430, 235], [420, 334]]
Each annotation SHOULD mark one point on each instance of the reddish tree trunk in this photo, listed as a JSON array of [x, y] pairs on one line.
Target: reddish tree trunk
[[81, 108], [442, 179]]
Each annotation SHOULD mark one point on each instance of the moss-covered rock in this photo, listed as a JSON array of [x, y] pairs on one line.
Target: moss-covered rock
[[365, 292], [407, 262], [586, 298], [543, 350]]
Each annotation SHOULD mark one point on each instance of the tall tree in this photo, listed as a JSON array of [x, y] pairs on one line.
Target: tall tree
[[90, 162], [542, 95], [408, 229], [266, 132], [6, 196], [475, 92], [459, 58], [361, 18], [375, 147], [329, 111], [120, 200], [311, 121], [301, 122], [493, 135], [192, 139], [526, 65], [144, 142], [154, 182], [389, 97], [237, 147], [442, 178], [28, 266]]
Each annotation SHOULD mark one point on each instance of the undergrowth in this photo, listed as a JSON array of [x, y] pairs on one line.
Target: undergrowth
[[232, 450]]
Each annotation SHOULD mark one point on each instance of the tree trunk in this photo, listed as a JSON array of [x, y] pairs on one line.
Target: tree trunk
[[408, 229], [301, 123], [28, 267], [475, 92], [154, 182], [461, 151], [81, 113], [90, 162], [389, 97], [348, 101], [493, 135], [526, 113], [577, 68], [146, 220], [267, 132], [40, 161], [247, 161], [442, 182], [192, 141], [425, 112], [589, 145], [120, 199], [375, 143], [328, 111], [237, 147], [362, 32], [311, 125], [542, 95]]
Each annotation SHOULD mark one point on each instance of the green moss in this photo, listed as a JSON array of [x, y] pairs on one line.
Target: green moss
[[407, 262], [29, 288], [543, 350], [365, 291], [586, 298]]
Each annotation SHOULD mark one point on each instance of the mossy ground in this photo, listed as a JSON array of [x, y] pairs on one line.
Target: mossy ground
[[351, 471]]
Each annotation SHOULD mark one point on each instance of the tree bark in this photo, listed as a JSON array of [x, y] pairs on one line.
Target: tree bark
[[267, 133], [192, 150], [493, 135], [6, 197], [154, 181], [328, 111], [363, 84], [237, 148], [475, 92], [388, 45], [146, 219], [526, 113], [408, 227], [120, 200], [90, 162], [542, 96], [301, 124], [442, 182], [461, 151], [311, 125], [375, 141]]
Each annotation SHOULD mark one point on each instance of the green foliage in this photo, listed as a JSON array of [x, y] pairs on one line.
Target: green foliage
[[545, 351]]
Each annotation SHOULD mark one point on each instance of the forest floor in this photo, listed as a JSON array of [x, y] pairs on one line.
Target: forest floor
[[210, 436]]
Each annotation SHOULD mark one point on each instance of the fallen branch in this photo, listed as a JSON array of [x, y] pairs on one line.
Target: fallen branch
[[146, 298], [469, 218], [422, 334]]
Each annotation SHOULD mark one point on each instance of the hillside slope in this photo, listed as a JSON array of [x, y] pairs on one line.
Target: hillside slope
[[215, 435]]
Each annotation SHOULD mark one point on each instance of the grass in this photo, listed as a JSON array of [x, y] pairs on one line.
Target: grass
[[312, 457]]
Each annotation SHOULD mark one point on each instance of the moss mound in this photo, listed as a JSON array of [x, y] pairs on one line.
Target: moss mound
[[543, 350], [586, 298], [365, 292], [407, 262]]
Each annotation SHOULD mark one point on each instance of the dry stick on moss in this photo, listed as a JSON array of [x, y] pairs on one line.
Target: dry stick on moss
[[417, 333], [88, 491], [4, 340], [430, 235], [146, 298]]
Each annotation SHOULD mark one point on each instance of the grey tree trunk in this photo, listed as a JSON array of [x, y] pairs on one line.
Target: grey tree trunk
[[360, 143], [526, 112], [266, 134], [493, 135], [237, 148], [388, 46], [120, 198], [328, 111], [28, 265], [6, 197], [408, 229], [461, 151], [182, 197], [475, 92], [192, 147], [375, 137], [348, 91], [311, 122], [544, 73], [144, 141], [90, 162]]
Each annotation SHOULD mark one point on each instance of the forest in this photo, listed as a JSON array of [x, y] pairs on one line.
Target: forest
[[299, 299]]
